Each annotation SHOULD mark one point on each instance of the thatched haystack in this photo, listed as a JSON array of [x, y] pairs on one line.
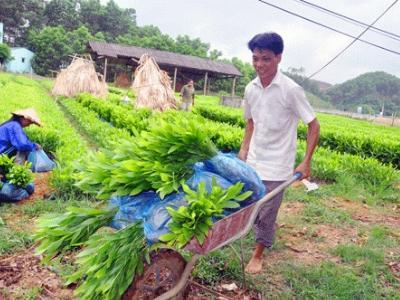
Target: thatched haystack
[[152, 86], [123, 80], [79, 77]]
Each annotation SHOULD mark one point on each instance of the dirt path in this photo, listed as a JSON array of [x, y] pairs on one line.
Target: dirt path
[[88, 139], [22, 275]]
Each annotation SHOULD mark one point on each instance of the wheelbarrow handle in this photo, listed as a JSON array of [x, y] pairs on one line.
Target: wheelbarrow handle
[[298, 175]]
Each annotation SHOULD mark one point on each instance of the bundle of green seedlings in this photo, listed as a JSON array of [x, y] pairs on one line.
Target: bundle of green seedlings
[[18, 175], [157, 159], [195, 219], [109, 263], [6, 163], [61, 232]]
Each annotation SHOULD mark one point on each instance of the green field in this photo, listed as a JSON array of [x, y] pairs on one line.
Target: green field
[[338, 242]]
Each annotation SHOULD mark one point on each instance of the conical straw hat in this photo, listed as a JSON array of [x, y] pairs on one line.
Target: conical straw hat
[[30, 114]]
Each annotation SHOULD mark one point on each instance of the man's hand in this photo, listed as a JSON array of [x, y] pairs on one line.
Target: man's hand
[[242, 155], [38, 147], [312, 140], [248, 133], [304, 168]]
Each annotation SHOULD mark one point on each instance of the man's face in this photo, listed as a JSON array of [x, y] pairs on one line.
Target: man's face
[[265, 62]]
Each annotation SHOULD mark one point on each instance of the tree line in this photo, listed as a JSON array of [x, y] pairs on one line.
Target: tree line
[[56, 29]]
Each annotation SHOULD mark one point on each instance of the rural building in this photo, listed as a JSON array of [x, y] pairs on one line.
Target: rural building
[[21, 58], [21, 62], [180, 67]]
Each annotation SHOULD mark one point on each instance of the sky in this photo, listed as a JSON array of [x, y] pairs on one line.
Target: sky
[[227, 25]]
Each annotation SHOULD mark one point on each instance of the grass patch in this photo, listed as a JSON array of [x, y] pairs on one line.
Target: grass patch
[[382, 237], [64, 265], [11, 240], [353, 253], [37, 208], [217, 266], [317, 213], [299, 194], [348, 188], [17, 221], [331, 281], [369, 260]]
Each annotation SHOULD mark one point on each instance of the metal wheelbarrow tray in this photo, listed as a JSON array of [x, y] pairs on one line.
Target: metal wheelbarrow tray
[[168, 272]]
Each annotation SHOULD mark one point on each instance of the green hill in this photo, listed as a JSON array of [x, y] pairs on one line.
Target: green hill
[[314, 89], [371, 91], [317, 102]]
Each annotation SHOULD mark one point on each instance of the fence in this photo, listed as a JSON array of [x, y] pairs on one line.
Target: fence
[[393, 121]]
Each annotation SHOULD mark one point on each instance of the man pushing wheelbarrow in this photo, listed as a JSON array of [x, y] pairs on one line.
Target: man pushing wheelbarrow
[[274, 103], [273, 106]]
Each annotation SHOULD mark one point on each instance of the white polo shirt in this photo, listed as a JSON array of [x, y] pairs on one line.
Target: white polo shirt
[[275, 110]]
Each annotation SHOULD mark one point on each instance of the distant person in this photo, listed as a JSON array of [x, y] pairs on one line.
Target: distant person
[[273, 105], [187, 94], [13, 140]]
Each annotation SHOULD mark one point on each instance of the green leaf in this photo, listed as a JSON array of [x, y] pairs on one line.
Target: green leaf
[[244, 196]]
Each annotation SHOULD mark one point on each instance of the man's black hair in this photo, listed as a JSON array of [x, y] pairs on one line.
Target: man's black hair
[[267, 40]]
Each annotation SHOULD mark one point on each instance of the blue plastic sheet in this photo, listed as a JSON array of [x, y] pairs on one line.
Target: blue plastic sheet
[[230, 167], [202, 175], [147, 207], [40, 161], [157, 219], [11, 193], [132, 208], [30, 188]]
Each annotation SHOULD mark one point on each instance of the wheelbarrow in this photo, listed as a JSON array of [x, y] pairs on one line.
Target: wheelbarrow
[[168, 272]]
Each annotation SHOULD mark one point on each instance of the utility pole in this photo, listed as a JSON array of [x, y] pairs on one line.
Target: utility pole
[[393, 118], [1, 32]]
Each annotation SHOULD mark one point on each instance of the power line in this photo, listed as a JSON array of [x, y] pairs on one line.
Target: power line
[[355, 40], [328, 27], [351, 20]]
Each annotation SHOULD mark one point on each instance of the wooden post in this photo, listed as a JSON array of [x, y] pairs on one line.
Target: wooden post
[[233, 86], [205, 83], [105, 69], [175, 73]]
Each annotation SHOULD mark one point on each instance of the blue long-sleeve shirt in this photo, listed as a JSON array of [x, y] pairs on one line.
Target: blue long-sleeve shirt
[[12, 134]]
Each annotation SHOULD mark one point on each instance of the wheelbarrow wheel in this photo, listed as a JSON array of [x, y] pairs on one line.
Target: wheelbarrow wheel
[[162, 274]]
